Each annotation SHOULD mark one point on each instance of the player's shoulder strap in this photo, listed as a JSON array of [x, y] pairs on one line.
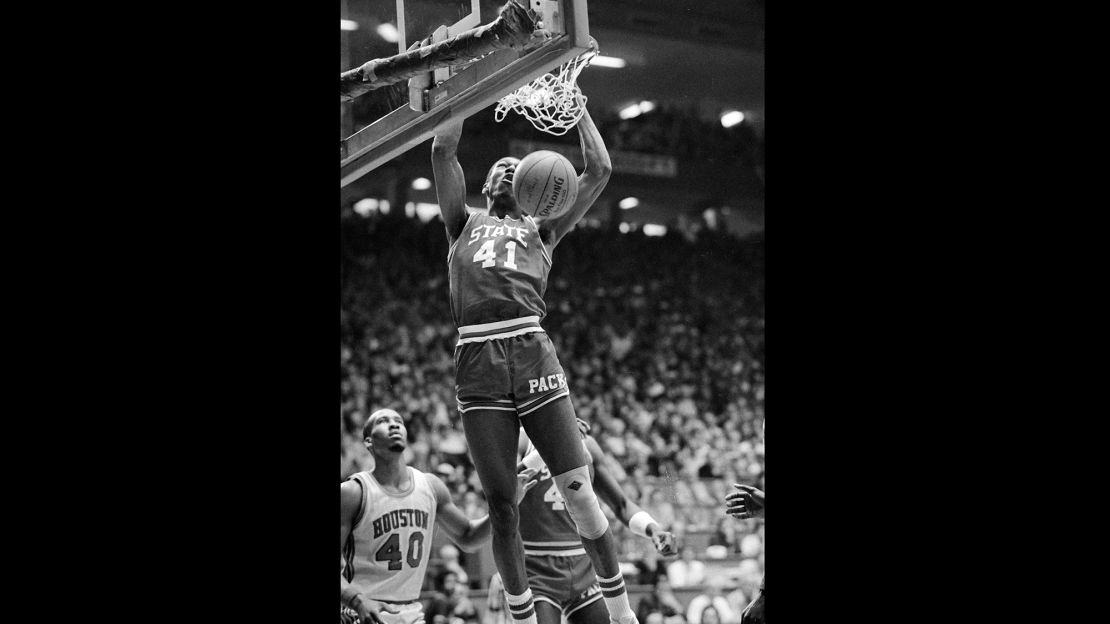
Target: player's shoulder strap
[[425, 481], [364, 495], [539, 232], [422, 480], [535, 224], [462, 234]]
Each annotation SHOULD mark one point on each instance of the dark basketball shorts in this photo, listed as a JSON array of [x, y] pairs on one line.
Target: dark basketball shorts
[[509, 366], [569, 583]]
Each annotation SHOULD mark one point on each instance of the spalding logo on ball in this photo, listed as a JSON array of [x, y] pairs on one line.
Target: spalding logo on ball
[[545, 184]]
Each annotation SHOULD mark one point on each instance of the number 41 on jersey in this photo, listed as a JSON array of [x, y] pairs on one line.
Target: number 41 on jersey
[[488, 257]]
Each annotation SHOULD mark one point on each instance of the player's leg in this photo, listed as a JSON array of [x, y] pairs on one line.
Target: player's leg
[[492, 438], [553, 430], [548, 613], [590, 613]]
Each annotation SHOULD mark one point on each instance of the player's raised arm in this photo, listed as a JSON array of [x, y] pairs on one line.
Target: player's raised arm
[[609, 489], [466, 533], [450, 182], [590, 183]]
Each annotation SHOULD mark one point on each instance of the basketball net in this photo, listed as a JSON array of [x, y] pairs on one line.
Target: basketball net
[[553, 102]]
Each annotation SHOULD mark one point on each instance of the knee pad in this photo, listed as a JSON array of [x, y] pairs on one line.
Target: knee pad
[[582, 504]]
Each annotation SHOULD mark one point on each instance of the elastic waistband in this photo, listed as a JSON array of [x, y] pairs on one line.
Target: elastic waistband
[[574, 552], [499, 329], [554, 549]]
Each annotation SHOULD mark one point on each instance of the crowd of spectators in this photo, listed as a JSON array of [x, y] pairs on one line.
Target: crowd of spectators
[[681, 132], [667, 130], [661, 339]]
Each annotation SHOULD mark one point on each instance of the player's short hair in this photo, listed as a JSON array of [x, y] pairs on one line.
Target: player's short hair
[[369, 424], [489, 171]]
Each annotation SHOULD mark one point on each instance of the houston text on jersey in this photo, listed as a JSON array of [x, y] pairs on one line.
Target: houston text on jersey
[[399, 518]]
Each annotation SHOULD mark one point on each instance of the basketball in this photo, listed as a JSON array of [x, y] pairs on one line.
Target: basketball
[[545, 184]]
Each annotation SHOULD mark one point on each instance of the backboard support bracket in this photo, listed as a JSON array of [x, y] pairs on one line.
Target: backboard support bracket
[[465, 93]]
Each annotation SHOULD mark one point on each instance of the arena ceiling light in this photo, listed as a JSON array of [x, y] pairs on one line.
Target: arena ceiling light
[[421, 184], [348, 25], [628, 112], [366, 206], [629, 202], [426, 212], [608, 61], [389, 32], [731, 118]]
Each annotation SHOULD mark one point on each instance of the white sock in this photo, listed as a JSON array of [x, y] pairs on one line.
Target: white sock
[[616, 598], [521, 608]]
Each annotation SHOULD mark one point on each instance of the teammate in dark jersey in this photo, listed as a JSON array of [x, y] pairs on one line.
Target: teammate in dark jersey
[[562, 580], [506, 370]]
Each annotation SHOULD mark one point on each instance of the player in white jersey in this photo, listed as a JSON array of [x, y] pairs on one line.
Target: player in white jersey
[[386, 524]]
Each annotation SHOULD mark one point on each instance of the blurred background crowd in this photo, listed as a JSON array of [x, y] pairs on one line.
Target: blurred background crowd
[[672, 129]]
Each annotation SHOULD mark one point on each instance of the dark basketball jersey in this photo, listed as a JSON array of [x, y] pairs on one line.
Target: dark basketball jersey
[[545, 524], [498, 270]]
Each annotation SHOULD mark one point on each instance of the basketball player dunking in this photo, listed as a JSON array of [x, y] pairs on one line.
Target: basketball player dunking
[[386, 528], [560, 575], [506, 370]]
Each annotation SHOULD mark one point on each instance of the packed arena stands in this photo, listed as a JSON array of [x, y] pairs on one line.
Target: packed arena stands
[[668, 129], [664, 360]]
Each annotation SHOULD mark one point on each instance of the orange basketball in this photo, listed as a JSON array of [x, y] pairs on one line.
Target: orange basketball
[[545, 184]]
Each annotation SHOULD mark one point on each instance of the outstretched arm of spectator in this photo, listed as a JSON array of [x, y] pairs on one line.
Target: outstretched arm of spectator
[[450, 183], [745, 503], [609, 489], [590, 183]]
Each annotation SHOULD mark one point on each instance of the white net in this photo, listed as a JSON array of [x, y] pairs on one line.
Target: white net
[[553, 102]]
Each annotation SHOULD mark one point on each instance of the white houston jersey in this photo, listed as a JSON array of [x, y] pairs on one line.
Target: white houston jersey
[[386, 555]]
